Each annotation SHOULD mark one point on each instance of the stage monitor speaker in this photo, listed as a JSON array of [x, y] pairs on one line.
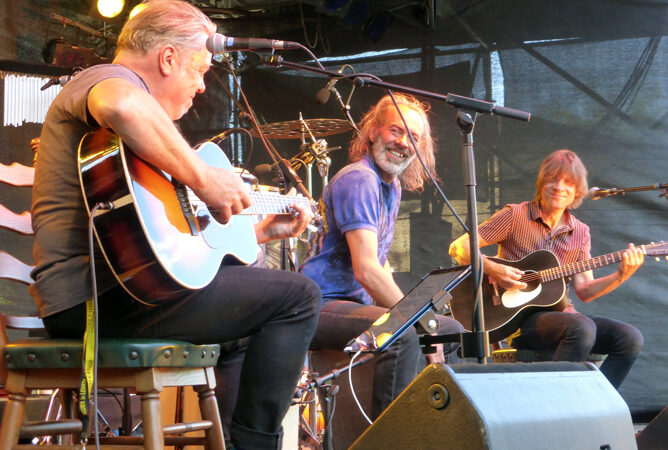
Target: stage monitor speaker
[[517, 406], [655, 435]]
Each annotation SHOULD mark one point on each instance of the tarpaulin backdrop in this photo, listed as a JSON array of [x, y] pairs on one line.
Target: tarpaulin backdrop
[[594, 75], [599, 89]]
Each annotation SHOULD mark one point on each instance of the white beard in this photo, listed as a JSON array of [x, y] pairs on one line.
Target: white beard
[[390, 166]]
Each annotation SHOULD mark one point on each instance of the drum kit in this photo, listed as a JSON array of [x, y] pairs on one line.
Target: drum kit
[[313, 149]]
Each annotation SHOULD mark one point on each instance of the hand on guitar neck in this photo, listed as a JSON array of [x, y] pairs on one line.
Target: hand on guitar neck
[[227, 195], [281, 226]]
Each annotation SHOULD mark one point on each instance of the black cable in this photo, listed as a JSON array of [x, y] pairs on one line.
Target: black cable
[[115, 397], [217, 139], [93, 279], [91, 249], [273, 153]]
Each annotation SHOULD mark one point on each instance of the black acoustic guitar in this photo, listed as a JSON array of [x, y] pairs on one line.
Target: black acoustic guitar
[[504, 309], [160, 240]]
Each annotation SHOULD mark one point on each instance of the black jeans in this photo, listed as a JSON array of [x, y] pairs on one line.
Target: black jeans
[[573, 336], [277, 310], [395, 368]]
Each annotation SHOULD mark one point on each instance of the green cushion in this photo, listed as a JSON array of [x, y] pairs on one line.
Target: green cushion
[[42, 353]]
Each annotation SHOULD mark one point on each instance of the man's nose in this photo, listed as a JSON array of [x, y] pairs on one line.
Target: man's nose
[[403, 140]]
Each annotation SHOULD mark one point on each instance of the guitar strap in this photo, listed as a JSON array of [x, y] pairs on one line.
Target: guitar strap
[[87, 369]]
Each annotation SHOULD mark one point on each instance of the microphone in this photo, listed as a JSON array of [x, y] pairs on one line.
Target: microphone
[[218, 43], [264, 169], [596, 193], [323, 94], [61, 81]]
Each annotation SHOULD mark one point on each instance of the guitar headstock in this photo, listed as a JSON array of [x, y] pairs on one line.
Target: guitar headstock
[[656, 249]]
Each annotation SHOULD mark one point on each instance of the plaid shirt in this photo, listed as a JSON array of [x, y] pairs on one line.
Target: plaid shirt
[[519, 229]]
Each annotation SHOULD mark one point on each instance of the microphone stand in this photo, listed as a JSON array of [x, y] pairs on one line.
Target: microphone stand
[[345, 107], [476, 343], [655, 187]]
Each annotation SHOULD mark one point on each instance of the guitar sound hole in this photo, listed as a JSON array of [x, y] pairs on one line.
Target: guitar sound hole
[[532, 283]]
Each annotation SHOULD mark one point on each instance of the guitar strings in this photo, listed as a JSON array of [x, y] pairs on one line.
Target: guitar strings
[[261, 202]]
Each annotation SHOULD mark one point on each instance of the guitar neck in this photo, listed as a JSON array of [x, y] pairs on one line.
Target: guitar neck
[[274, 203], [567, 270], [263, 202]]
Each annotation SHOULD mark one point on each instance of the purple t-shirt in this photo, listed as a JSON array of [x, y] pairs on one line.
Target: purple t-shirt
[[356, 198]]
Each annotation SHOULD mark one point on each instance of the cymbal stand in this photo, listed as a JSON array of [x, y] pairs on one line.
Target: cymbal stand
[[316, 151]]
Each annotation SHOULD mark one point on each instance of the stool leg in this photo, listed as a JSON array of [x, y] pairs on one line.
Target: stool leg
[[68, 403], [152, 420], [208, 407], [12, 419]]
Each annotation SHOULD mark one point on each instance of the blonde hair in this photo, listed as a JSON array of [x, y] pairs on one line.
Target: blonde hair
[[563, 163], [414, 176], [165, 22]]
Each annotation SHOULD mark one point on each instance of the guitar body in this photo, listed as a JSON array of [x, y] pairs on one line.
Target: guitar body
[[158, 245], [504, 312]]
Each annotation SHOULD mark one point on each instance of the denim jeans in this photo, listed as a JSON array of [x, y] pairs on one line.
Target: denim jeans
[[573, 336], [276, 310], [342, 320]]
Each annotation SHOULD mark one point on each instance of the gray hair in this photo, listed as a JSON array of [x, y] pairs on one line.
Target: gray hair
[[165, 22], [414, 176]]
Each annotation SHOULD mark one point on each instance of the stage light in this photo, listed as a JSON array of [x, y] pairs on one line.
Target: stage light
[[136, 10], [110, 8]]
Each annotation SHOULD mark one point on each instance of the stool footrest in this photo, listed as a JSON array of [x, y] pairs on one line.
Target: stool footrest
[[186, 427], [64, 426]]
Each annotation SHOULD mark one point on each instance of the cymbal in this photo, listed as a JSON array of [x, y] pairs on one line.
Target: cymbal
[[294, 129]]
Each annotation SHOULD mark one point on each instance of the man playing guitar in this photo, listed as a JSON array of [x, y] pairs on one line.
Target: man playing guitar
[[546, 223], [159, 67]]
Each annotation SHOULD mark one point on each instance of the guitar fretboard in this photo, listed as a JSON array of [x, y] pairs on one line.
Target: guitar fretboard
[[556, 273], [264, 202], [274, 203]]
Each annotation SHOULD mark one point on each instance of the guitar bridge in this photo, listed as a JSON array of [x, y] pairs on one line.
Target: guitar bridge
[[186, 207], [496, 297]]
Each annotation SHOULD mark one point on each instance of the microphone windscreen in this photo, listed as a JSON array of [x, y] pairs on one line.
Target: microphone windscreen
[[216, 43], [262, 170], [594, 193], [323, 96]]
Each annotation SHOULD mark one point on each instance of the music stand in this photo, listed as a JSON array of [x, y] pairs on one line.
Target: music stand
[[431, 294]]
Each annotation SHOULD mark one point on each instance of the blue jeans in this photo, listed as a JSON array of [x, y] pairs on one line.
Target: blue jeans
[[343, 320], [573, 336], [276, 310]]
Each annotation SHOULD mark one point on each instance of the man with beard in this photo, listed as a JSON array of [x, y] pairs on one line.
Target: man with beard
[[348, 258]]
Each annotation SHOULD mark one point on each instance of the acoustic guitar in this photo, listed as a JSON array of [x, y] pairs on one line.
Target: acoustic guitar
[[504, 310], [159, 239]]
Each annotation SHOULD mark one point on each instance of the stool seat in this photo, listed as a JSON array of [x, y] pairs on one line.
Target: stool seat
[[43, 353]]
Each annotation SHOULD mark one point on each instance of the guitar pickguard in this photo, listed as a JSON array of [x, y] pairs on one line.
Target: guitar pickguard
[[517, 298]]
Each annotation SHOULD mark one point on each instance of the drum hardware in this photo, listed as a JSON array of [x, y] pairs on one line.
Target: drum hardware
[[295, 129]]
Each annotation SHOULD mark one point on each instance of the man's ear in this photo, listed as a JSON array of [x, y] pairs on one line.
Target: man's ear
[[168, 59], [373, 132]]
